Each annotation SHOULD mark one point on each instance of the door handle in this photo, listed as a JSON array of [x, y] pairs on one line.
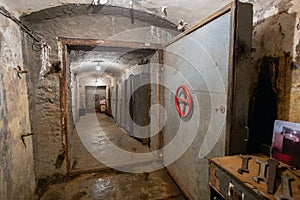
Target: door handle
[[247, 131]]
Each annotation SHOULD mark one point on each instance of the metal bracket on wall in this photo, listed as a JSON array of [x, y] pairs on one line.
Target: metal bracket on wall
[[19, 71], [23, 137]]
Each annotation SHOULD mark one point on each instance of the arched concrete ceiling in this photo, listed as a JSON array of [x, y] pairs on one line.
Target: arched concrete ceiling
[[93, 79], [188, 10], [111, 63]]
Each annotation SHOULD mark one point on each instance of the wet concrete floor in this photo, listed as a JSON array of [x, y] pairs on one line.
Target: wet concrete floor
[[113, 185], [88, 142], [98, 139]]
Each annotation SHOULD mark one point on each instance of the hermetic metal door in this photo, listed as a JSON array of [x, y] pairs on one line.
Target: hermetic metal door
[[212, 62]]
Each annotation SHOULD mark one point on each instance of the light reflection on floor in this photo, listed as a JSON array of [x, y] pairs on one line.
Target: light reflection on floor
[[113, 185], [95, 133], [110, 184]]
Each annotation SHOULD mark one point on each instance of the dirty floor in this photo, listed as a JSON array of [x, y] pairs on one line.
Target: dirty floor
[[109, 184], [113, 185], [96, 139]]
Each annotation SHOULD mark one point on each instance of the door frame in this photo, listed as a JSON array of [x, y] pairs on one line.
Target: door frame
[[65, 44]]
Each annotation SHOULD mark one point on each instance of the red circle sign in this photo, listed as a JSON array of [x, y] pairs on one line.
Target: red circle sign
[[96, 97], [183, 101]]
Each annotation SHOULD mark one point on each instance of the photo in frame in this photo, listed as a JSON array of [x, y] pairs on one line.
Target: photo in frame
[[286, 143]]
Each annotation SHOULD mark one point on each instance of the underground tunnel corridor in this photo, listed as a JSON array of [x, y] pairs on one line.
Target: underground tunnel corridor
[[139, 99], [109, 104], [109, 98]]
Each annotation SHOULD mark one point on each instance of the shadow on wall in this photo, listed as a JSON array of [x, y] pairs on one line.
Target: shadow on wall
[[263, 107], [270, 100], [273, 41]]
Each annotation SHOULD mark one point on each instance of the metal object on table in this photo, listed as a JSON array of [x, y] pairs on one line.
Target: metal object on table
[[285, 188], [244, 167], [262, 171], [272, 174]]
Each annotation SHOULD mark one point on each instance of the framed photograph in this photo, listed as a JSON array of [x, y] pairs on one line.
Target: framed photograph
[[286, 143]]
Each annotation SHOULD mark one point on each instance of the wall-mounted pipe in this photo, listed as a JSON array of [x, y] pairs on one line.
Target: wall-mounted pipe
[[7, 14]]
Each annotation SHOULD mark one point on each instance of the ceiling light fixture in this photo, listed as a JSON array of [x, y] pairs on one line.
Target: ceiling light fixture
[[98, 68], [131, 4]]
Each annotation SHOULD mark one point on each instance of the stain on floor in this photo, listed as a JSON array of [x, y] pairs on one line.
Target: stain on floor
[[111, 184], [98, 132], [95, 133]]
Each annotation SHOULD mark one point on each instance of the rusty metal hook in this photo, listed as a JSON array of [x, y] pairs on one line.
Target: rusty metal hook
[[19, 71], [23, 137]]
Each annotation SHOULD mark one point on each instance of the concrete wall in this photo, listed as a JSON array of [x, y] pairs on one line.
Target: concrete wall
[[17, 179], [295, 90], [44, 95], [275, 62]]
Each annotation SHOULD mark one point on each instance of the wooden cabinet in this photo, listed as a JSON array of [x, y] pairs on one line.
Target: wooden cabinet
[[226, 183]]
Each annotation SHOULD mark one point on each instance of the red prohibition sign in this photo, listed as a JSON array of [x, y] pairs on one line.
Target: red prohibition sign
[[183, 101]]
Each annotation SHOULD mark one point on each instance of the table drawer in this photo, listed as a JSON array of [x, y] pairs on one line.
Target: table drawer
[[229, 187]]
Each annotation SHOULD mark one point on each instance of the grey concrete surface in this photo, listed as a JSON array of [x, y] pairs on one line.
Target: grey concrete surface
[[94, 134], [17, 178], [108, 185], [177, 9]]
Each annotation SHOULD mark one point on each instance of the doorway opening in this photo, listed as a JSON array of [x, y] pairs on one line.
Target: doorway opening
[[95, 98], [106, 92]]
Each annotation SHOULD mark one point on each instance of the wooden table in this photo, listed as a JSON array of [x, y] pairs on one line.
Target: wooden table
[[223, 175]]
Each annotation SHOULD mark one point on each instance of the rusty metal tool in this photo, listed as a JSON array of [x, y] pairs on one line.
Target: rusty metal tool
[[285, 188], [262, 171], [244, 167], [273, 164], [23, 137]]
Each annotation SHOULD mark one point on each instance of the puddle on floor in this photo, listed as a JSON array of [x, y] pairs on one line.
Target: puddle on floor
[[111, 184]]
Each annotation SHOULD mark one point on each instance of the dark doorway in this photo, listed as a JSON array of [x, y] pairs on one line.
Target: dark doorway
[[263, 110]]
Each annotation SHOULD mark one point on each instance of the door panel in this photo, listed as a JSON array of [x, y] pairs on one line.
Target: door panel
[[206, 60]]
